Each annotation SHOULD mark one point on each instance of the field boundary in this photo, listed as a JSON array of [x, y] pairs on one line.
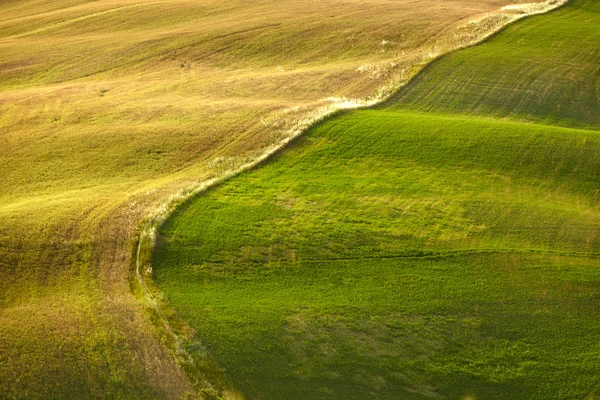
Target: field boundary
[[447, 254], [469, 33]]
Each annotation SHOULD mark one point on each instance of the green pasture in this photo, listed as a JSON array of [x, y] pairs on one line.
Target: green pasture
[[397, 252], [544, 69], [423, 249]]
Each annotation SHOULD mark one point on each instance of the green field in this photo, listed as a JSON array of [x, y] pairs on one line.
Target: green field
[[544, 70], [443, 245]]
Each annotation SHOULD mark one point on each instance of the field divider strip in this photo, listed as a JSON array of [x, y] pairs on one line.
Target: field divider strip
[[438, 255]]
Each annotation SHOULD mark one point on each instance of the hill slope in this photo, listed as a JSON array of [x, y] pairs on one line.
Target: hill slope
[[109, 107], [544, 70], [392, 252]]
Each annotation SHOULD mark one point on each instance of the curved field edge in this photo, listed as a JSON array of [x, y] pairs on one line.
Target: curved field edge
[[176, 334], [291, 240]]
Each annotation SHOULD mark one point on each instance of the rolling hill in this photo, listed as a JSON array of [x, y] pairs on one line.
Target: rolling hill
[[442, 245], [108, 108]]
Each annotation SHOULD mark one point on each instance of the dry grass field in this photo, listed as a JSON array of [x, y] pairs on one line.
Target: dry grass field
[[109, 107]]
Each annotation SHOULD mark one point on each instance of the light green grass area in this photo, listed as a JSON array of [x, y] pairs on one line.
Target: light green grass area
[[393, 253], [546, 69]]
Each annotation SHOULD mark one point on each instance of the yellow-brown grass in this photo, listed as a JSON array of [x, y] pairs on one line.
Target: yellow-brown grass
[[108, 108]]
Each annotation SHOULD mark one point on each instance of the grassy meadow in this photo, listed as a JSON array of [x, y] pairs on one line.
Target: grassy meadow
[[109, 107], [545, 71], [443, 245]]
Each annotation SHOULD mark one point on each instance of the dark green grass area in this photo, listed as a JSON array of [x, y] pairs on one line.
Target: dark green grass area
[[397, 254], [546, 68], [389, 254]]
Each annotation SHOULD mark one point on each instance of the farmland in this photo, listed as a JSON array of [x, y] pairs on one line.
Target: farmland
[[108, 108], [444, 244]]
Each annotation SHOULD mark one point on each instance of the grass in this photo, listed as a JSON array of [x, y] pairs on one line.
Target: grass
[[362, 265], [441, 245], [108, 108], [544, 70]]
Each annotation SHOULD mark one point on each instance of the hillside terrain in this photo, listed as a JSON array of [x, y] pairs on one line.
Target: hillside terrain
[[442, 245], [107, 108]]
